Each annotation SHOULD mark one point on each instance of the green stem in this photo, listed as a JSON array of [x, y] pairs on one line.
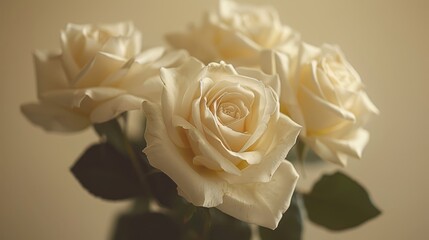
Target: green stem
[[301, 153], [137, 166], [114, 134]]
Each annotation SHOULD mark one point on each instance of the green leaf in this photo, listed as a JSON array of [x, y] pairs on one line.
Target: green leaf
[[106, 173], [163, 189], [149, 225], [290, 226], [226, 227], [112, 132], [196, 220], [140, 205], [337, 202]]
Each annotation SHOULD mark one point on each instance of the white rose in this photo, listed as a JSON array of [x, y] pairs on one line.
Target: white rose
[[236, 34], [81, 43], [219, 135], [326, 96], [97, 76]]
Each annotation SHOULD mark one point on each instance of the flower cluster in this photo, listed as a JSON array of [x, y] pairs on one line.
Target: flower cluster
[[319, 89], [224, 104]]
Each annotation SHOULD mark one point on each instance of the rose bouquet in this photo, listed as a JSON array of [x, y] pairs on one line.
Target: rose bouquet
[[227, 112]]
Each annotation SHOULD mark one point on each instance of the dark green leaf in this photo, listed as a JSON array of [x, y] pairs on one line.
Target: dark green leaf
[[289, 228], [106, 173], [141, 205], [226, 227], [163, 189], [197, 222], [337, 202], [112, 132], [142, 226]]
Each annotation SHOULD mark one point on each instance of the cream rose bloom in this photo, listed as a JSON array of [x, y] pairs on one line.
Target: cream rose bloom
[[80, 44], [219, 135], [326, 96], [237, 33], [98, 74]]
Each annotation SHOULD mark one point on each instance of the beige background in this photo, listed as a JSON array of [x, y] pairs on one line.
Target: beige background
[[387, 41]]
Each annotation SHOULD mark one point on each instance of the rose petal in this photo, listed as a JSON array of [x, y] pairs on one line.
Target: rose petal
[[328, 90], [119, 46], [141, 75], [352, 145], [277, 62], [236, 48], [73, 98], [364, 109], [174, 90], [98, 70], [114, 107], [195, 42], [70, 66], [200, 147], [340, 150], [150, 89], [288, 43], [276, 142], [271, 80], [251, 157], [262, 112], [150, 55], [49, 72], [319, 114], [116, 78], [198, 186], [308, 78], [54, 118], [262, 203], [261, 24]]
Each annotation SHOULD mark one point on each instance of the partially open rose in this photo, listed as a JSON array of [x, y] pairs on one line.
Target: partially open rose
[[219, 135], [98, 74], [237, 33], [81, 43], [326, 96]]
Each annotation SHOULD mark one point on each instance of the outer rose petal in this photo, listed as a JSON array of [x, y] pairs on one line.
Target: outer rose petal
[[175, 91], [95, 72], [113, 107], [340, 150], [194, 43], [74, 98], [269, 80], [274, 62], [54, 118], [197, 185], [319, 114], [262, 203], [49, 72]]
